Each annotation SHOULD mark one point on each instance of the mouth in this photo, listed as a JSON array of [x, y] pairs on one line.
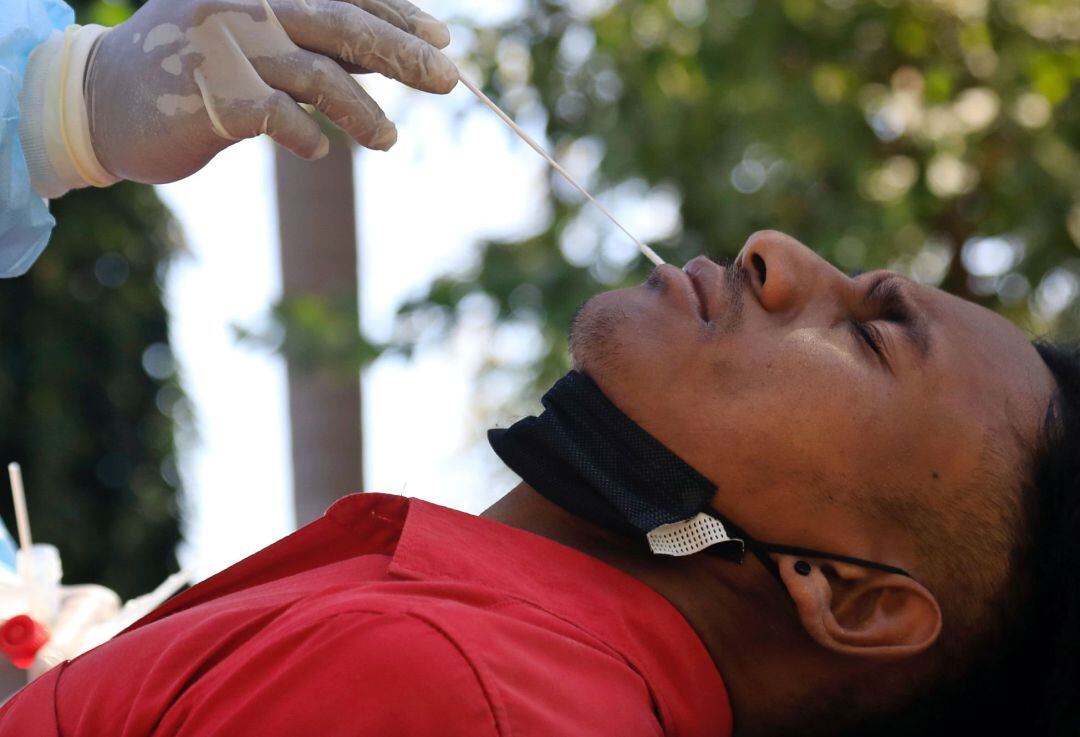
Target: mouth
[[700, 294], [682, 286]]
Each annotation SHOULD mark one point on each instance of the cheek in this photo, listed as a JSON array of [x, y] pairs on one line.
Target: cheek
[[792, 406], [749, 409], [813, 357], [796, 375]]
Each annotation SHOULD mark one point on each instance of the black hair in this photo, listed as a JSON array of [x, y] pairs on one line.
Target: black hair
[[1049, 669], [1028, 680], [1025, 677]]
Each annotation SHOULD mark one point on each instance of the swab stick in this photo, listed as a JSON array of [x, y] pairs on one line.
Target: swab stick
[[18, 495], [648, 252]]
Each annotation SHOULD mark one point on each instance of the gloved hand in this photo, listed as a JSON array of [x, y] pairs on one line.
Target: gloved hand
[[181, 80]]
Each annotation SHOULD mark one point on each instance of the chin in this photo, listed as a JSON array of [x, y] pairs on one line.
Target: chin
[[587, 360], [596, 342]]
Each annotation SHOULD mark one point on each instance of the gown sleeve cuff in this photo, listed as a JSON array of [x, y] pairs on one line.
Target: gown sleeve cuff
[[54, 127]]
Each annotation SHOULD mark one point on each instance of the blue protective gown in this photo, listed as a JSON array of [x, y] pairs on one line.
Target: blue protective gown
[[25, 222]]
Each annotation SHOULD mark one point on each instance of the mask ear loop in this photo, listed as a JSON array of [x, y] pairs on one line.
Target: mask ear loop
[[761, 550], [735, 550], [811, 553]]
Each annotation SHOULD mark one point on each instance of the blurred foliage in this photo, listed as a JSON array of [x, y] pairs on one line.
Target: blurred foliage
[[88, 388], [937, 137], [315, 332]]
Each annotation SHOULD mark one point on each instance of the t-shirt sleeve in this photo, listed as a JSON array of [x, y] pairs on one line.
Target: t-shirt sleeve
[[349, 675]]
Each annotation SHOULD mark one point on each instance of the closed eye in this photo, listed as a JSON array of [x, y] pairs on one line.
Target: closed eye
[[886, 300], [867, 333]]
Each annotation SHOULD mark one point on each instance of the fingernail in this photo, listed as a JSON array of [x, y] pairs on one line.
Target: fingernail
[[386, 137], [447, 76], [434, 32], [322, 150]]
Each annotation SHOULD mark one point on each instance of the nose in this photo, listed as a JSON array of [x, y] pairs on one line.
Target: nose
[[784, 274]]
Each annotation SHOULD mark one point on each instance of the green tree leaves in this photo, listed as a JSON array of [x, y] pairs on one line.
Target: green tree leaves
[[882, 134]]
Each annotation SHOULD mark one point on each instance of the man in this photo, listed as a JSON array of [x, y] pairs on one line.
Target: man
[[909, 457]]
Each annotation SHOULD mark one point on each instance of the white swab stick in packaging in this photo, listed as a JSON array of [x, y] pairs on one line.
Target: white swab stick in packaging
[[648, 252], [18, 496]]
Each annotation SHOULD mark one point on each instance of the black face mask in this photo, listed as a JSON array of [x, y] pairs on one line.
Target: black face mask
[[583, 454]]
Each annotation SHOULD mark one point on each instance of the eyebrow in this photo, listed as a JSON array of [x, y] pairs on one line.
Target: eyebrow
[[890, 297]]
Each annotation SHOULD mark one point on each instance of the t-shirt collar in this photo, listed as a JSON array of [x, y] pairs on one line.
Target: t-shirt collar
[[440, 543]]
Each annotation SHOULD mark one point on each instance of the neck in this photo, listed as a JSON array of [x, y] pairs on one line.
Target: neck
[[744, 619]]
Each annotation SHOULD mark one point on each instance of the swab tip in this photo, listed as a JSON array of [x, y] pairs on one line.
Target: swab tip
[[651, 255]]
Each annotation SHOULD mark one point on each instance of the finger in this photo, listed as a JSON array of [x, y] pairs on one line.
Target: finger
[[253, 108], [346, 33], [318, 81], [284, 121], [409, 18], [353, 68]]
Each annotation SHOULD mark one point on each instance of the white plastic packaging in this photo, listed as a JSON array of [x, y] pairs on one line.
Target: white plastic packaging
[[40, 570], [82, 608]]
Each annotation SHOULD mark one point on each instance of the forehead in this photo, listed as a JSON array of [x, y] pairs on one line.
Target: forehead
[[984, 361]]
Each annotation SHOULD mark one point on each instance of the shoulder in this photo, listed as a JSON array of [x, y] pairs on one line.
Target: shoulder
[[349, 673], [296, 672]]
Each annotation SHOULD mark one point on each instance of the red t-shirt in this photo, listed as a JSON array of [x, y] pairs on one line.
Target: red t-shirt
[[392, 617]]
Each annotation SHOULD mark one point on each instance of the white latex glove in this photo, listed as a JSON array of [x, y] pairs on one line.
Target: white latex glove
[[181, 80]]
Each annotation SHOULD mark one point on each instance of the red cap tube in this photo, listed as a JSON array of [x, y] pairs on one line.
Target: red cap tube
[[20, 639]]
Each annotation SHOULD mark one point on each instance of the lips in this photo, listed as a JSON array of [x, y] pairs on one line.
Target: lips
[[701, 294], [717, 288], [687, 288]]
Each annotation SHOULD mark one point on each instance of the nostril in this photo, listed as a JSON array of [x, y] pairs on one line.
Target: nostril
[[759, 266]]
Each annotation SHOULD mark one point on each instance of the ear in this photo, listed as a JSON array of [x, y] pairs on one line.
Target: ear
[[860, 611]]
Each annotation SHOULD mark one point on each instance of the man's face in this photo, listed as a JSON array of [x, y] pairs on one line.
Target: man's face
[[763, 377]]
